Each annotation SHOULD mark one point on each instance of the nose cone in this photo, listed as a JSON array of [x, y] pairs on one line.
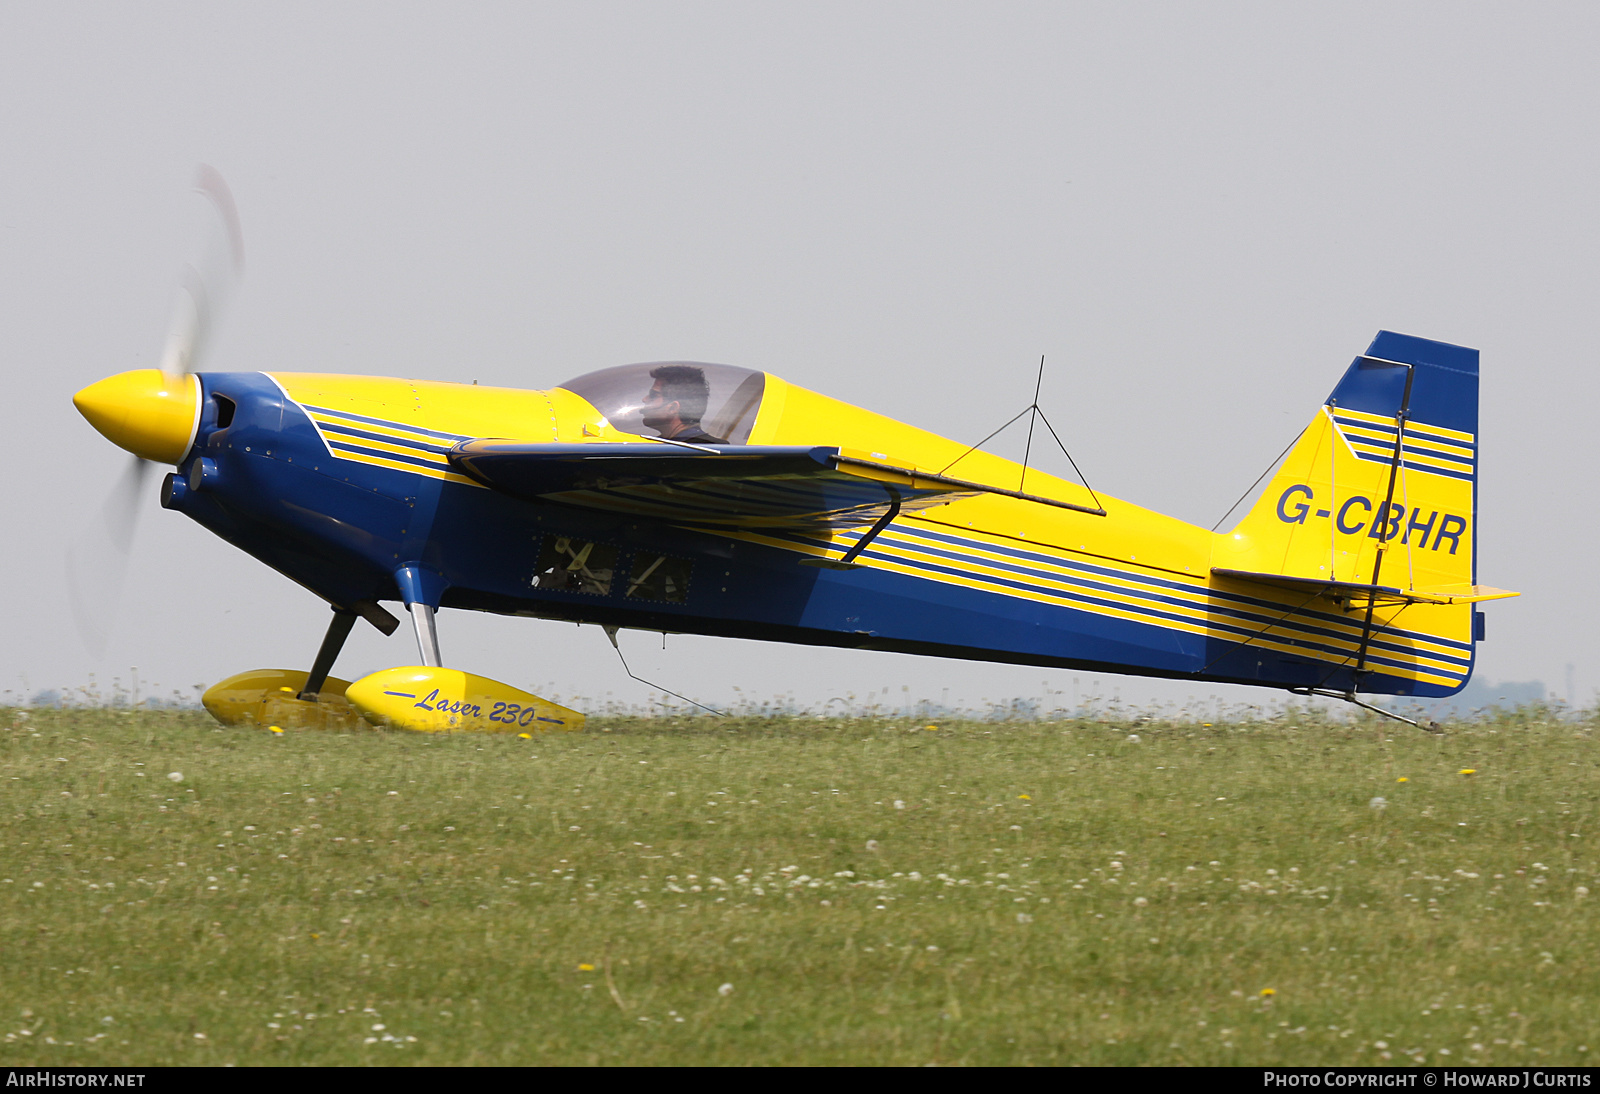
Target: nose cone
[[149, 413]]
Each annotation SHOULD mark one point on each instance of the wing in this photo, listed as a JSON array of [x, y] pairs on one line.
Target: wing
[[748, 486]]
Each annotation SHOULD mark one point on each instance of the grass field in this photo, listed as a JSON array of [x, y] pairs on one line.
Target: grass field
[[798, 890]]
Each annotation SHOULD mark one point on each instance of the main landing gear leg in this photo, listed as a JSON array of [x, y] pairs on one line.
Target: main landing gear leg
[[421, 590], [332, 642], [427, 635]]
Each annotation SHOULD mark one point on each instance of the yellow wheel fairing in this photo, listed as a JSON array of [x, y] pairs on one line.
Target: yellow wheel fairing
[[269, 697], [440, 700]]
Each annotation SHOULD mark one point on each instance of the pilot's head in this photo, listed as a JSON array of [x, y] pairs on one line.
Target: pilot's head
[[677, 398]]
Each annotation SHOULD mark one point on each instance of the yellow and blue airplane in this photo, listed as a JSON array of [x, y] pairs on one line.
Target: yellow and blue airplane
[[710, 499]]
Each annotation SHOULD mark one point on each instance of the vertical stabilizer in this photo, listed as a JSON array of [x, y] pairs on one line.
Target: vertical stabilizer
[[1380, 494]]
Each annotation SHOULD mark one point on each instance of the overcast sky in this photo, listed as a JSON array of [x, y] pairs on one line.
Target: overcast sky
[[1200, 212]]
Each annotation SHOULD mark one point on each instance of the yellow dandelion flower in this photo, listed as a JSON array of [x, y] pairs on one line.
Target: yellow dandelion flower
[[933, 728], [1402, 779], [526, 736], [1268, 993], [586, 968], [1468, 771], [1024, 797], [274, 729]]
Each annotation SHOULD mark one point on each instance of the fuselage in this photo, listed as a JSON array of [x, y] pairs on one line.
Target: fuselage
[[341, 482]]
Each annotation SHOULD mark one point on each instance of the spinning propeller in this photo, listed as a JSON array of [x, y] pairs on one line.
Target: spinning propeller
[[153, 412]]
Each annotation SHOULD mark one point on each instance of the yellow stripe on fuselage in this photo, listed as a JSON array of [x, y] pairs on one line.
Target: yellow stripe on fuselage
[[401, 416], [1203, 608]]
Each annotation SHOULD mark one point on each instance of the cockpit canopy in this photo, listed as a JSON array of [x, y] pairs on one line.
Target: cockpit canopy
[[725, 398]]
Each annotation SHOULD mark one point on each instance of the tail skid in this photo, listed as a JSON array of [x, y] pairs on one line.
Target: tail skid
[[1429, 726]]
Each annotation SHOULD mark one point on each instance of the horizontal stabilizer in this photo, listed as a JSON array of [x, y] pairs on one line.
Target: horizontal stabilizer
[[733, 485], [1382, 594]]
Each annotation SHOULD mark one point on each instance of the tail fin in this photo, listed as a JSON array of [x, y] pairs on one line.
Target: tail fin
[[1375, 510]]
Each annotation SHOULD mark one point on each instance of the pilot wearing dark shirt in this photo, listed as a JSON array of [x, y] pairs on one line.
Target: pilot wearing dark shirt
[[677, 402]]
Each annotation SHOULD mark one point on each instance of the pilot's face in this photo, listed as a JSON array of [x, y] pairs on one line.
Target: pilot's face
[[657, 411]]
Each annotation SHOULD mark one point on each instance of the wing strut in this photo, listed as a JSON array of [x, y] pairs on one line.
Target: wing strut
[[848, 562]]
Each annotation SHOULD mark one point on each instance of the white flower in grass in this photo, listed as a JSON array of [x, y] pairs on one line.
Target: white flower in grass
[[175, 776], [725, 990]]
